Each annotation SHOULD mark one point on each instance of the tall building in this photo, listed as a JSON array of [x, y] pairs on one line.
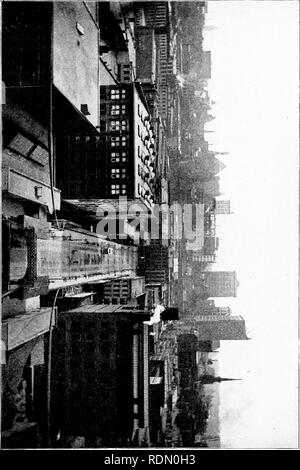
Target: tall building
[[157, 15], [208, 252], [187, 365], [220, 328], [205, 70], [154, 264], [219, 283], [145, 54], [202, 258], [147, 65], [120, 162], [222, 207], [101, 376]]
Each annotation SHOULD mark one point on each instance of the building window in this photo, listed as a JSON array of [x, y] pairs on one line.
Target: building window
[[124, 141], [124, 125], [115, 110], [123, 173], [139, 170], [115, 141], [124, 157], [115, 157], [124, 189], [115, 94], [115, 173], [115, 125], [115, 189]]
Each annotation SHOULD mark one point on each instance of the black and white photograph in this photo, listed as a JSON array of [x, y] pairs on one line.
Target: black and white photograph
[[150, 205]]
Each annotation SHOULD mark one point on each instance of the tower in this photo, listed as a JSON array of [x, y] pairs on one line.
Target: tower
[[219, 283], [210, 379], [223, 207]]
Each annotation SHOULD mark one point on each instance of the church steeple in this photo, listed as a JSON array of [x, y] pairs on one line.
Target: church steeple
[[209, 379]]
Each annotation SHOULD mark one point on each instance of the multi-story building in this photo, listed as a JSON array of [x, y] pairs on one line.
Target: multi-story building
[[187, 348], [208, 252], [157, 15], [219, 283], [220, 327], [154, 264], [123, 290], [205, 65], [222, 207], [194, 227], [202, 258], [211, 244], [95, 171], [147, 64], [102, 355], [164, 384], [117, 49], [123, 161]]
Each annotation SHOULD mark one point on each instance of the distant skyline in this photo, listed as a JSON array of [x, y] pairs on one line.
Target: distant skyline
[[255, 88]]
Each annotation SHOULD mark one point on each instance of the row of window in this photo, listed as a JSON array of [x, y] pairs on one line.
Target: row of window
[[85, 138], [118, 141], [118, 125], [143, 173], [144, 119], [114, 126], [117, 94], [115, 109], [143, 192], [117, 157], [143, 155], [140, 133], [117, 173], [116, 189]]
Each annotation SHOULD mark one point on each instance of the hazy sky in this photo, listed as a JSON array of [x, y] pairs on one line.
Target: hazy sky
[[255, 85]]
